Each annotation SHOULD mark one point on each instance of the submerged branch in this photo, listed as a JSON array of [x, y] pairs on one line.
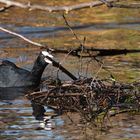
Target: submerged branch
[[94, 52]]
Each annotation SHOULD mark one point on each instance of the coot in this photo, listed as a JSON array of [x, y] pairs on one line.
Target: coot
[[13, 76]]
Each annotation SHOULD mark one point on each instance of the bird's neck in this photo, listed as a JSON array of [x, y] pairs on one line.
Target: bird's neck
[[38, 68]]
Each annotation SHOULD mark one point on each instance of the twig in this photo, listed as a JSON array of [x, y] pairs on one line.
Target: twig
[[77, 38], [66, 22], [21, 36], [56, 8], [96, 74], [58, 65]]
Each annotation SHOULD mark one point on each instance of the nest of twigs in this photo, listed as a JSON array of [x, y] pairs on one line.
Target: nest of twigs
[[90, 97]]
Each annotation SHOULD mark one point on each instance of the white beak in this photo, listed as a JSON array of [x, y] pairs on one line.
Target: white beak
[[45, 53], [47, 61]]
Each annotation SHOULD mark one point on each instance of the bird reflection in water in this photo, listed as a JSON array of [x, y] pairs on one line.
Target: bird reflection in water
[[45, 121]]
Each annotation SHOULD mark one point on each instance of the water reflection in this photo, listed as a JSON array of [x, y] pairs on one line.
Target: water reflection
[[17, 110], [17, 122], [12, 93]]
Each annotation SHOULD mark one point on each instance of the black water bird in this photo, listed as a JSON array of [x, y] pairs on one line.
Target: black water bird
[[13, 76]]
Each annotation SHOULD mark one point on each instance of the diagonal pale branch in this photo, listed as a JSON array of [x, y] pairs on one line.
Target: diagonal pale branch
[[56, 64], [22, 37], [56, 8]]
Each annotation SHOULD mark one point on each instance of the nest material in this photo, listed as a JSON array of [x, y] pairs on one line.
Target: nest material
[[88, 96]]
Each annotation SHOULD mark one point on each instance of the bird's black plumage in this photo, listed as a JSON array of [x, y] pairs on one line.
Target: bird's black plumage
[[13, 76]]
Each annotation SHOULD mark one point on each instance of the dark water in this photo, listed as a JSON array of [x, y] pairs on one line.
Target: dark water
[[103, 28]]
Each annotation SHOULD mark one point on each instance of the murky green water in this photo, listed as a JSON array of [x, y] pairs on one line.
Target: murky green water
[[103, 28]]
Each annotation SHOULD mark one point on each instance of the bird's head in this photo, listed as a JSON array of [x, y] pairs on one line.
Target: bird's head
[[46, 55]]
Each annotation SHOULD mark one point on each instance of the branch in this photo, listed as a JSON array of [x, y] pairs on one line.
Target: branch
[[22, 37], [58, 65], [87, 52], [56, 8], [66, 22]]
